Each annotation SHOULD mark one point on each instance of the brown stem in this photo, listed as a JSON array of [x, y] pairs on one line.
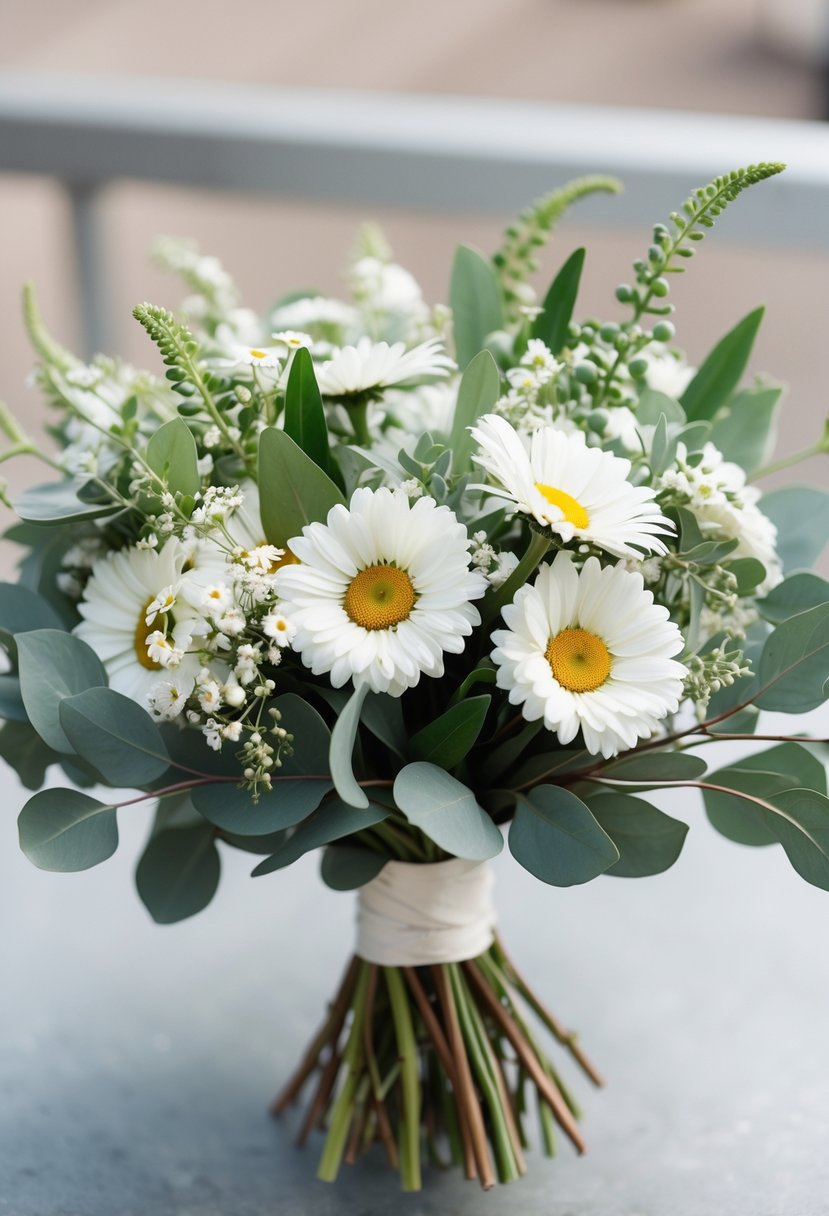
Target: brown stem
[[328, 1033], [442, 1047], [566, 1037], [385, 1132], [527, 1057], [466, 1096], [315, 1110]]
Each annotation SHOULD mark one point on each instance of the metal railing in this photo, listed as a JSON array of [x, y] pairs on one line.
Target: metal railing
[[429, 153]]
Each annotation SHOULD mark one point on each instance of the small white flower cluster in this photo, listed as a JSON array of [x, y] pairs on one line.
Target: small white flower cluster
[[709, 672], [76, 565], [494, 565], [530, 401]]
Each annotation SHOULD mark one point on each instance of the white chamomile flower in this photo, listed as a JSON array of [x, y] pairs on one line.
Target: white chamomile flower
[[277, 627], [372, 366], [292, 338], [136, 621], [251, 356], [576, 491], [381, 590], [167, 700], [590, 651]]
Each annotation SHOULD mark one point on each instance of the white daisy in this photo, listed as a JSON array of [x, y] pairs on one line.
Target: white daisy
[[138, 623], [590, 651], [576, 491], [252, 356], [372, 366], [381, 590]]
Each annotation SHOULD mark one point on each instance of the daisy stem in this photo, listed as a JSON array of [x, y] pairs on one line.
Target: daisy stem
[[786, 462], [529, 563], [358, 416]]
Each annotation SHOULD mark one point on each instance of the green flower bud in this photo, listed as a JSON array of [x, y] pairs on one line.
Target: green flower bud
[[586, 373], [663, 331], [660, 287], [609, 331], [638, 367]]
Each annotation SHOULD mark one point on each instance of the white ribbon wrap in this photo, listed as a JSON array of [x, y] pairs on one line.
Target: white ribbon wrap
[[415, 915]]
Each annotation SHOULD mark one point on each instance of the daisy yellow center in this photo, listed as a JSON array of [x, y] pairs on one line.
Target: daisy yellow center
[[379, 597], [258, 354], [142, 632], [570, 507], [579, 660]]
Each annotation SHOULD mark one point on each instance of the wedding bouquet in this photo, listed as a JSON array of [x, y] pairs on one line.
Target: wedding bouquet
[[399, 583]]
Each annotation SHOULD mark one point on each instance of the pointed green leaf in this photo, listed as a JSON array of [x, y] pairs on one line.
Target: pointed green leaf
[[57, 502], [794, 665], [448, 739], [722, 370], [648, 840], [480, 388], [476, 303], [556, 838], [801, 516], [65, 831], [346, 867], [795, 594], [342, 750], [552, 323], [304, 414], [383, 716], [178, 873], [446, 811], [334, 820], [652, 404], [54, 665], [114, 734], [764, 775], [293, 490], [663, 449], [745, 434], [172, 456]]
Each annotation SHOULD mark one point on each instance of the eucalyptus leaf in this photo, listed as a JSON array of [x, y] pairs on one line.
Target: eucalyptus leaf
[[448, 739], [346, 867], [172, 456], [293, 490], [304, 414], [383, 716], [763, 775], [332, 821], [23, 750], [795, 594], [54, 665], [57, 502], [745, 432], [749, 573], [653, 404], [655, 768], [11, 702], [794, 665], [555, 837], [801, 516], [116, 735], [178, 873], [65, 830], [476, 303], [804, 833], [663, 449], [553, 322], [722, 369], [479, 390], [22, 610], [648, 840], [446, 811], [343, 737]]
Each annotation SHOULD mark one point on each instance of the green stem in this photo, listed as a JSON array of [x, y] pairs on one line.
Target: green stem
[[343, 1112], [409, 1080], [358, 415], [534, 555], [786, 462]]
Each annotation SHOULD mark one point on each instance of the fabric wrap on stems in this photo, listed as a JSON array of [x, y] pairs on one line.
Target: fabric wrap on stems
[[416, 915]]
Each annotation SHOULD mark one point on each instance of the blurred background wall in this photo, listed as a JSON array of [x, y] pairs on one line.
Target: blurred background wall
[[756, 57]]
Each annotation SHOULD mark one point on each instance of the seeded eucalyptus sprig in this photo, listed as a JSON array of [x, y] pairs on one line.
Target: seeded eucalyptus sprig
[[515, 261]]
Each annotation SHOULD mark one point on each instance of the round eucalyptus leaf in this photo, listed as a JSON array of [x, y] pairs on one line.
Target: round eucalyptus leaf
[[648, 840], [446, 811], [178, 873], [556, 838], [114, 734], [65, 830], [346, 867], [54, 665], [57, 502]]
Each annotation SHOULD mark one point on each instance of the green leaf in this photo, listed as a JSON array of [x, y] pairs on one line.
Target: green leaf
[[795, 594], [749, 573], [172, 456], [745, 433], [304, 414], [648, 840], [65, 831], [54, 665], [476, 303], [556, 838], [722, 370], [804, 834], [711, 552], [345, 867], [11, 702], [23, 750], [794, 665], [801, 515], [114, 734], [343, 737], [655, 768], [480, 388], [541, 767], [663, 449], [22, 610], [481, 675], [552, 323], [500, 759], [332, 821], [763, 775], [178, 873], [57, 502], [447, 740], [446, 812], [383, 716], [230, 807], [653, 404], [293, 490]]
